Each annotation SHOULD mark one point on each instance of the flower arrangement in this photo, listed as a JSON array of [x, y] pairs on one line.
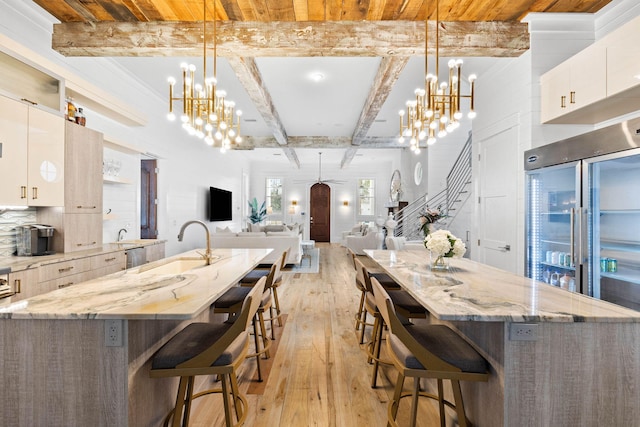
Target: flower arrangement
[[442, 244], [429, 216]]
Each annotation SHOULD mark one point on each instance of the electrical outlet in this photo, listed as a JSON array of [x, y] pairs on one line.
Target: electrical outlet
[[523, 332], [113, 333]]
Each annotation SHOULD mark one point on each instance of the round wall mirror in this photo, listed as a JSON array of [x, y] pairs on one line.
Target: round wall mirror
[[417, 173]]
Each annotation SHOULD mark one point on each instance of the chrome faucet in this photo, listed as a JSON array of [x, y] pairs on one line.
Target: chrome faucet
[[207, 254], [120, 235]]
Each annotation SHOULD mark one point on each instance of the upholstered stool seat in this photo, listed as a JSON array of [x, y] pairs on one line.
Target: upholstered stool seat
[[208, 349], [254, 275], [428, 351], [385, 280]]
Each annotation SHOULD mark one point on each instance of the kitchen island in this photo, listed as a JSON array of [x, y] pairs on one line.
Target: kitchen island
[[557, 358], [81, 355]]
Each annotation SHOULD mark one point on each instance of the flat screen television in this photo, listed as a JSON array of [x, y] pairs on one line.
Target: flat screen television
[[219, 205]]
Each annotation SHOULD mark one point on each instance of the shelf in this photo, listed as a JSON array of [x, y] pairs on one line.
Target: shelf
[[623, 277], [555, 213], [564, 267], [555, 242], [620, 245], [620, 211], [116, 179]]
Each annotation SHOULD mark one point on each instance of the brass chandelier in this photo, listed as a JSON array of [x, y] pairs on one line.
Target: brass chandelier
[[435, 112], [205, 112]]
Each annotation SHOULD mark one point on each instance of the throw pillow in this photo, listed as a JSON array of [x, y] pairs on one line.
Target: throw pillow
[[223, 230]]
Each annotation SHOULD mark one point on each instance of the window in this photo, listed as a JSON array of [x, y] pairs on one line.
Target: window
[[366, 197], [274, 195]]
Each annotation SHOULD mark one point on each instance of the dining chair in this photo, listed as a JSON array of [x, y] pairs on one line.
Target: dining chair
[[407, 307], [208, 349], [427, 351], [252, 277]]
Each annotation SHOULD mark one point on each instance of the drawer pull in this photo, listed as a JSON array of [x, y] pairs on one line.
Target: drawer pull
[[85, 207], [563, 101], [34, 191], [109, 259], [23, 191], [62, 270], [65, 285], [572, 97], [86, 244], [17, 286]]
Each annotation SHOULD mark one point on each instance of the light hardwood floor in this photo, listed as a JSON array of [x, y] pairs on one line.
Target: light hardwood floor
[[320, 375]]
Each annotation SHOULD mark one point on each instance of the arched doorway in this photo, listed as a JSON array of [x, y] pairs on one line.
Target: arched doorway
[[320, 207]]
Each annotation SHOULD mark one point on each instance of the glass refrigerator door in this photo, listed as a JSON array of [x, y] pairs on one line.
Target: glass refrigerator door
[[613, 227], [552, 201]]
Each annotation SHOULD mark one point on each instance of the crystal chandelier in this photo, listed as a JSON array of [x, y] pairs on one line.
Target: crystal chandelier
[[435, 112], [205, 112]]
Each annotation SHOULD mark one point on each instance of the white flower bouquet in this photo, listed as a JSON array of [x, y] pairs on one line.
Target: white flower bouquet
[[442, 244]]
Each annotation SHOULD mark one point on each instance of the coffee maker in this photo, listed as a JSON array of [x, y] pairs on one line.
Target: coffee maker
[[34, 239]]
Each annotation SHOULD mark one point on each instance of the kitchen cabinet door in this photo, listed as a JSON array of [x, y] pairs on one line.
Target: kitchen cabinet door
[[13, 152], [554, 92], [83, 170], [45, 159], [25, 284]]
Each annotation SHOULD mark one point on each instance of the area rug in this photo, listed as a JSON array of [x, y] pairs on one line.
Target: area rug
[[306, 265], [256, 387]]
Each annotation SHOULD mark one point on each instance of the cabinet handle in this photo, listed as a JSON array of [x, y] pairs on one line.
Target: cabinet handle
[[17, 286], [34, 192], [572, 97], [109, 259], [62, 270], [65, 285], [23, 191], [86, 244], [563, 101], [85, 207]]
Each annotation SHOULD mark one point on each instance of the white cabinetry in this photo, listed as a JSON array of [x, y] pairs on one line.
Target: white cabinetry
[[599, 83], [32, 157], [571, 90]]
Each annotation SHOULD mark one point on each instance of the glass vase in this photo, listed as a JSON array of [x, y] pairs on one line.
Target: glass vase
[[439, 262]]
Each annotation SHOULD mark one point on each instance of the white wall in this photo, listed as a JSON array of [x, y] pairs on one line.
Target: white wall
[[297, 182]]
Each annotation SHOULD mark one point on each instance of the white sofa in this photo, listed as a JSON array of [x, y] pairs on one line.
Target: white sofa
[[359, 243], [278, 240], [400, 242]]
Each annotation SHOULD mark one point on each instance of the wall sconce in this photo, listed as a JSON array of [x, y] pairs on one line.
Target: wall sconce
[[345, 203], [294, 203]]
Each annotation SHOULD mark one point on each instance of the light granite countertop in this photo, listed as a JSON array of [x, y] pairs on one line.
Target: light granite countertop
[[475, 291], [18, 263], [144, 292]]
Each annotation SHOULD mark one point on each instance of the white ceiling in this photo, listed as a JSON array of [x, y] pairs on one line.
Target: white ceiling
[[329, 108]]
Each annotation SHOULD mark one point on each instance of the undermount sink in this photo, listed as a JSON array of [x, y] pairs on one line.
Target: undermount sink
[[176, 266]]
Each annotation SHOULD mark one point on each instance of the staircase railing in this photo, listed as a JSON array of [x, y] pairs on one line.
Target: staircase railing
[[448, 201]]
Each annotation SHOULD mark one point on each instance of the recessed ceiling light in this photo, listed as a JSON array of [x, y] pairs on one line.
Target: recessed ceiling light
[[316, 77]]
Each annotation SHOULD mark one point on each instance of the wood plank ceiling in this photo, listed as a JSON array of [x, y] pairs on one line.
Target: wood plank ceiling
[[391, 29]]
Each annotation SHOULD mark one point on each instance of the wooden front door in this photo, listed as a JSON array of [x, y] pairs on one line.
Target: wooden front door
[[148, 198], [320, 220]]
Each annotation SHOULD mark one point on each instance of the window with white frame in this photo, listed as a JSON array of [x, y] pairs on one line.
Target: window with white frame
[[274, 195], [366, 197]]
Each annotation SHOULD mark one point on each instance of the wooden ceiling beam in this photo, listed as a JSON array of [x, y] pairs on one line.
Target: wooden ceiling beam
[[249, 75], [386, 77], [252, 142], [301, 39]]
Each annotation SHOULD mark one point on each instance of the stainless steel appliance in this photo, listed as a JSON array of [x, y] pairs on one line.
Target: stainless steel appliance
[[5, 288], [34, 239], [583, 213]]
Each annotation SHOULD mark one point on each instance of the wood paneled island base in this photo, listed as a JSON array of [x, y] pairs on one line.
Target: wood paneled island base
[[582, 369], [56, 367]]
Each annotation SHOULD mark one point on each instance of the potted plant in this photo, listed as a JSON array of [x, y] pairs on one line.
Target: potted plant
[[257, 214]]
